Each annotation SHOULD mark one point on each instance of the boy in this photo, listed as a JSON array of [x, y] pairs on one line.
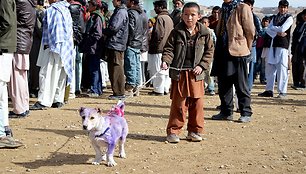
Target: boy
[[188, 53]]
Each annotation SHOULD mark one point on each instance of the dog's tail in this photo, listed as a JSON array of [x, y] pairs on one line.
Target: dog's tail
[[118, 109]]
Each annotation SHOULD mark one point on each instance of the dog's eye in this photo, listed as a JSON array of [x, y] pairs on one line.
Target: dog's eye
[[83, 117], [92, 118]]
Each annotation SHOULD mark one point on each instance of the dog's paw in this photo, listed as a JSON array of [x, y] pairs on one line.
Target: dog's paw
[[95, 163], [122, 155], [111, 163]]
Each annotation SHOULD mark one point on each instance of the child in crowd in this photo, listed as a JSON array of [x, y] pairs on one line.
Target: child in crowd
[[188, 53]]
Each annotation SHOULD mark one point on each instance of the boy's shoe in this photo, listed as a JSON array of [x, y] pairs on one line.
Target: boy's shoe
[[172, 138], [9, 142], [195, 137], [221, 116], [244, 119]]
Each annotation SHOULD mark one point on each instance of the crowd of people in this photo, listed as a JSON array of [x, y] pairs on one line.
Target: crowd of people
[[76, 47]]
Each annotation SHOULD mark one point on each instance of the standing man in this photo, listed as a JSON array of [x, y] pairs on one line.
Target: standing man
[[278, 54], [161, 30], [18, 86], [298, 52], [214, 18], [8, 43], [56, 56], [134, 44], [235, 33], [177, 12], [117, 37]]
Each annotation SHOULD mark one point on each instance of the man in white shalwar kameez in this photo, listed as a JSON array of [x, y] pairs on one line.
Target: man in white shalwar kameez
[[278, 54], [56, 56]]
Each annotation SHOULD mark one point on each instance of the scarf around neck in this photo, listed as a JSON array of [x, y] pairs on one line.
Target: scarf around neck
[[226, 10]]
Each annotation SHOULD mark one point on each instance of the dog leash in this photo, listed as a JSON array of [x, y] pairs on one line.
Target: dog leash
[[103, 132], [154, 76]]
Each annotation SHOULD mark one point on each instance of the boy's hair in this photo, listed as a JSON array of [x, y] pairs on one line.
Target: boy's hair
[[266, 18], [283, 3], [249, 2], [215, 8], [191, 5], [205, 17], [160, 3]]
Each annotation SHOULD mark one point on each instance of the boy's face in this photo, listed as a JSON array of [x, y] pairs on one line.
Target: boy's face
[[265, 23], [190, 16], [282, 9], [205, 22]]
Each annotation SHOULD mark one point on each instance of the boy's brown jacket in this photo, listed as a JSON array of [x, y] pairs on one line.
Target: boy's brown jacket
[[174, 52]]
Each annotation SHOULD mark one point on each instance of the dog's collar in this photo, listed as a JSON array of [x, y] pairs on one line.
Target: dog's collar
[[103, 132]]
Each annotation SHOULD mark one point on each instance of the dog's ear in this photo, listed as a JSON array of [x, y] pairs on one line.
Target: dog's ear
[[81, 109]]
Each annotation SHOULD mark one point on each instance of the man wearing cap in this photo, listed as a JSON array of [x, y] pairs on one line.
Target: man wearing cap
[[161, 30], [177, 12]]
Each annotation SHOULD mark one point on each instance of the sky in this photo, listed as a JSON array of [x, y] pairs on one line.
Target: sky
[[258, 3]]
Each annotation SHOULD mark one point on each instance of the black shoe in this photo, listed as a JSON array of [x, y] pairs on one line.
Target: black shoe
[[22, 115], [57, 105], [38, 106], [221, 116], [266, 94], [153, 93]]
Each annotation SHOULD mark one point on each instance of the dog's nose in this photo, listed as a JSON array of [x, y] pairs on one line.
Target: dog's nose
[[84, 127]]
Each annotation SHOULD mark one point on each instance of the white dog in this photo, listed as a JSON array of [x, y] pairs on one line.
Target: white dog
[[106, 131]]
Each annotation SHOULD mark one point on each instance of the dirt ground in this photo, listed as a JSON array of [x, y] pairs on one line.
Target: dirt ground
[[274, 142]]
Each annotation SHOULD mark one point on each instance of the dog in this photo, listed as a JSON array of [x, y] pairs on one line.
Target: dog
[[106, 131]]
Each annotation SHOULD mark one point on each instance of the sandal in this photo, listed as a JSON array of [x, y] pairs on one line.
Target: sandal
[[9, 142]]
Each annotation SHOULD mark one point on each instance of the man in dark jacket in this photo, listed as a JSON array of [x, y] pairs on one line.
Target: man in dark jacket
[[117, 36], [134, 44], [8, 43], [18, 86], [298, 51]]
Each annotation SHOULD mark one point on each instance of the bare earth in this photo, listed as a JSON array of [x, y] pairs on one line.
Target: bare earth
[[274, 142]]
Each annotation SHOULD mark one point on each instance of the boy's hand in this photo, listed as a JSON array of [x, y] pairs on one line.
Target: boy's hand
[[282, 34], [164, 66], [197, 70]]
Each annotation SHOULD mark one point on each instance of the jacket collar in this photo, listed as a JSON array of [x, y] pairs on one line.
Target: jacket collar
[[181, 27]]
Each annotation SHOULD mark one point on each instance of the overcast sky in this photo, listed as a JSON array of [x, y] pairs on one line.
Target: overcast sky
[[258, 3]]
